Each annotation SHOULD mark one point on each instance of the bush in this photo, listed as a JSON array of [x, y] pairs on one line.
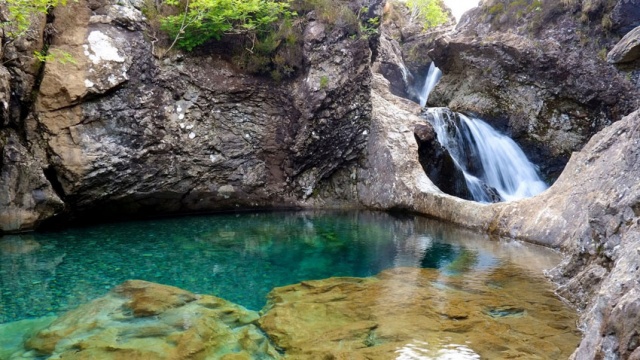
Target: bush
[[429, 12], [21, 11], [204, 20]]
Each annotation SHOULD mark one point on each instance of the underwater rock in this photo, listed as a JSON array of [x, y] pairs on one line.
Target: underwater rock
[[378, 318], [143, 320]]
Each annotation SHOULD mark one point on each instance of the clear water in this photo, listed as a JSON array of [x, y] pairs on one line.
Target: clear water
[[239, 257]]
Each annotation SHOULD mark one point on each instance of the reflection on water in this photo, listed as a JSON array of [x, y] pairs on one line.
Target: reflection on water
[[419, 350], [239, 257]]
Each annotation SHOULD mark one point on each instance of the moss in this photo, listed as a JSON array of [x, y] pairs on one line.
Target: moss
[[606, 22], [496, 9], [602, 54], [324, 82]]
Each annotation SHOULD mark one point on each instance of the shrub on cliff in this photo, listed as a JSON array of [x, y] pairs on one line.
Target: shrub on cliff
[[15, 21], [204, 20], [259, 36], [429, 12], [16, 17]]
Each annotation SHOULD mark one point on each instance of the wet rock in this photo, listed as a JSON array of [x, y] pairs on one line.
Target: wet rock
[[408, 309], [627, 49], [142, 320], [438, 163]]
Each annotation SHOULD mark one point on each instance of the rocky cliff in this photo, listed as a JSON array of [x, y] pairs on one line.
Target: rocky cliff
[[122, 132], [538, 71]]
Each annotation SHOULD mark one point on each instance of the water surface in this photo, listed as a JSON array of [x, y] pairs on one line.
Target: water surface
[[239, 257]]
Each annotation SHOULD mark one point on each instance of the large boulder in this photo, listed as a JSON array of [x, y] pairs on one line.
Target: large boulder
[[123, 132]]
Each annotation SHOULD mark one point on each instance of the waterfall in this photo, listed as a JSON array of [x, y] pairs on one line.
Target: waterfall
[[433, 76], [492, 164], [495, 168]]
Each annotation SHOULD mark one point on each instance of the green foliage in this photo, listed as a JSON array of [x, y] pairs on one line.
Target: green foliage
[[430, 12], [21, 11], [204, 20], [496, 9], [324, 82], [370, 27], [60, 56], [259, 36]]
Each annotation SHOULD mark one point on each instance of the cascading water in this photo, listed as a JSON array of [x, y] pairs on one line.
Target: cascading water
[[433, 76], [489, 160], [495, 168]]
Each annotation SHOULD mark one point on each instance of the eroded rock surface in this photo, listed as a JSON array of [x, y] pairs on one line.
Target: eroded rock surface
[[421, 312], [27, 197], [142, 320], [122, 133]]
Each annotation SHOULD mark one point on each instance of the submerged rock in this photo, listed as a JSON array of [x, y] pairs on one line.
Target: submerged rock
[[142, 320], [420, 310]]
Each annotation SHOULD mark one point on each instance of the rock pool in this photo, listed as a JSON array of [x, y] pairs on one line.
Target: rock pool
[[431, 289]]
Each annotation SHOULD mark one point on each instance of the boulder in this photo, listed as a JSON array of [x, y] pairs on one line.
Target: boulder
[[627, 49], [193, 133], [142, 320]]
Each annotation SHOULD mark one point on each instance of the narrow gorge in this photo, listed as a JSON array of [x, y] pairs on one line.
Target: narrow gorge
[[373, 186]]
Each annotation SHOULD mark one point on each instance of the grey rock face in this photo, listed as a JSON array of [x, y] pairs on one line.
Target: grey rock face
[[27, 197], [625, 16], [591, 212], [128, 134], [627, 49], [601, 275], [403, 51]]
